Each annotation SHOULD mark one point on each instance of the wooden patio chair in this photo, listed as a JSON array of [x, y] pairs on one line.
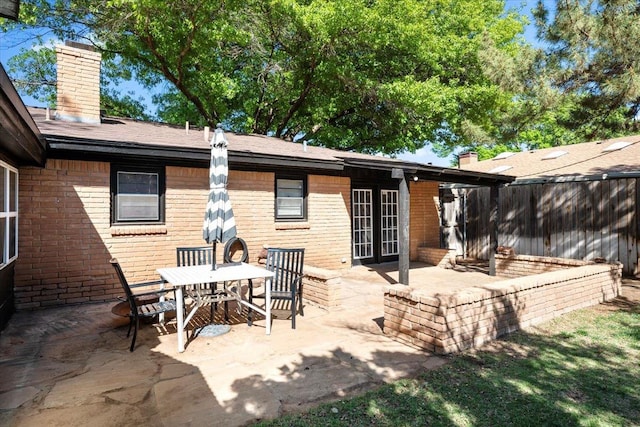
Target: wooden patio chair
[[286, 284], [139, 303]]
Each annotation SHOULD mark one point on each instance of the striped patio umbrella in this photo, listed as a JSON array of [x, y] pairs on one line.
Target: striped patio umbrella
[[219, 224]]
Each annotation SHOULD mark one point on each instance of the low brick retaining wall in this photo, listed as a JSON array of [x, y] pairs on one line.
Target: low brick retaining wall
[[445, 258], [321, 287], [448, 323], [526, 265]]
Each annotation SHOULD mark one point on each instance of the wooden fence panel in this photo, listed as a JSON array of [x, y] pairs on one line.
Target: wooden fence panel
[[537, 204], [577, 219], [634, 238], [607, 202], [592, 221], [581, 220]]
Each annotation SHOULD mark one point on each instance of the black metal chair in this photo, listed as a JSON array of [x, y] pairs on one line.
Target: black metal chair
[[139, 304], [202, 255], [287, 266]]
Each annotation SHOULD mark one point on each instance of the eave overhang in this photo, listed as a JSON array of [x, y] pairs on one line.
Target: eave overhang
[[20, 139], [92, 149], [81, 148], [420, 172]]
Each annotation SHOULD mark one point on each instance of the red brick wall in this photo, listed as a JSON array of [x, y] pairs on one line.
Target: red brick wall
[[448, 323], [326, 235], [66, 239], [424, 229], [445, 258], [526, 265]]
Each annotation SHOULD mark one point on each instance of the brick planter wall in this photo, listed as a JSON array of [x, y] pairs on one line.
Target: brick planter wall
[[321, 287], [448, 323], [526, 265], [444, 258]]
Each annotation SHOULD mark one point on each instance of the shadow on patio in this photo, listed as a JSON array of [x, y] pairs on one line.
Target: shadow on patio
[[66, 366]]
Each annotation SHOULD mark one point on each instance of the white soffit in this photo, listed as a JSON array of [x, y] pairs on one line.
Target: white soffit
[[616, 146], [503, 155], [554, 155], [500, 169]]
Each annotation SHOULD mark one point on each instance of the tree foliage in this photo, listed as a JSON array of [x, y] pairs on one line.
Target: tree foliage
[[35, 75], [35, 71], [371, 76], [593, 60], [581, 84]]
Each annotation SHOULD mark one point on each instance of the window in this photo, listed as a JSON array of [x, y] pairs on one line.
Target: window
[[290, 199], [137, 194], [8, 213]]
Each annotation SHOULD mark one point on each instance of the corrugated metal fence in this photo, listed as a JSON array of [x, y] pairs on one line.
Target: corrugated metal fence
[[579, 219]]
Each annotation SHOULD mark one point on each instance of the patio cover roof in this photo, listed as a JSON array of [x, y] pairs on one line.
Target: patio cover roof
[[175, 145]]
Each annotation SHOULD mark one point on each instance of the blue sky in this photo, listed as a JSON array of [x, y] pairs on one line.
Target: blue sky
[[11, 43]]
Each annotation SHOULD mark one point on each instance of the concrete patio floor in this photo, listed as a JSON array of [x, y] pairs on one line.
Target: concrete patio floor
[[72, 367]]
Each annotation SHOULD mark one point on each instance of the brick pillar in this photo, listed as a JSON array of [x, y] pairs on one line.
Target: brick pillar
[[78, 87]]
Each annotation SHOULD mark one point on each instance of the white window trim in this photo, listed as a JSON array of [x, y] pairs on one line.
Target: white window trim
[[6, 169]]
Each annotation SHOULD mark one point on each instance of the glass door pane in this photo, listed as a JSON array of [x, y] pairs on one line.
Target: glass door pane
[[389, 221], [362, 224]]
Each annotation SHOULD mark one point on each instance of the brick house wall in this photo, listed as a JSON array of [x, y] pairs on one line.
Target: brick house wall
[[424, 227], [66, 239]]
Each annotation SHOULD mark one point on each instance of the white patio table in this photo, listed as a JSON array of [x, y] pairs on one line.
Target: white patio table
[[180, 277]]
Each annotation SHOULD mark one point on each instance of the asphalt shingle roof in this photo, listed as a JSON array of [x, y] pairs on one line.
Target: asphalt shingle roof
[[125, 135], [120, 130], [585, 159]]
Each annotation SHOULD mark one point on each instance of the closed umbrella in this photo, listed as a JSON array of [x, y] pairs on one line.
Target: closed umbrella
[[219, 224]]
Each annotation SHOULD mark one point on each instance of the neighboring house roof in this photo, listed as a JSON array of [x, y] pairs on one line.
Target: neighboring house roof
[[618, 156], [124, 137], [20, 138]]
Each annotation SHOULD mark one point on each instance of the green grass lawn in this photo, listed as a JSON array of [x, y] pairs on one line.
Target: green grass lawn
[[582, 369]]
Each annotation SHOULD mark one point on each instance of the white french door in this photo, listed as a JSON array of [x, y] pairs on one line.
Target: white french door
[[375, 224], [389, 222], [362, 223]]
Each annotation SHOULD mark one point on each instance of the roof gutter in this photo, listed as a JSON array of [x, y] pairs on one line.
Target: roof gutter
[[433, 173], [183, 156], [465, 177], [577, 178]]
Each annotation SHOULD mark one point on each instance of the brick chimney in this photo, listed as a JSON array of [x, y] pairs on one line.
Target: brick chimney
[[78, 96], [467, 158]]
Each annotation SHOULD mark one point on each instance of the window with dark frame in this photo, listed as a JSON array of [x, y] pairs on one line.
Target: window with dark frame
[[291, 198], [137, 194]]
